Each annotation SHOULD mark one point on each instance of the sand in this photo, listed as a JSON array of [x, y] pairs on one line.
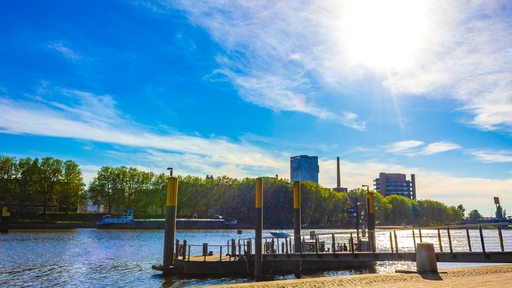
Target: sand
[[499, 276]]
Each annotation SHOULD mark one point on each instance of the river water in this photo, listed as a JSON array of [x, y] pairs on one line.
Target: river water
[[123, 258]]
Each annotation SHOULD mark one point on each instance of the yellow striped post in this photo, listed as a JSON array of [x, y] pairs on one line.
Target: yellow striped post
[[4, 222], [297, 225], [258, 261], [170, 224]]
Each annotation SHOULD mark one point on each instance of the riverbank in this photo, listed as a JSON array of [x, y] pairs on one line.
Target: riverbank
[[474, 277]]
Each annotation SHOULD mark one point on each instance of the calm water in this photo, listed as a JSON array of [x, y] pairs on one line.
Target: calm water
[[118, 258]]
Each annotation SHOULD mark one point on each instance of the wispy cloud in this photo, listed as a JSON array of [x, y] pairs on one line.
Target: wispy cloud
[[404, 146], [415, 147], [439, 147], [278, 53], [493, 156], [94, 118], [464, 61], [65, 51], [281, 54]]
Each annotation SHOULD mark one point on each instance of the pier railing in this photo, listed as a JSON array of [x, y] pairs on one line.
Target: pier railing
[[446, 239]]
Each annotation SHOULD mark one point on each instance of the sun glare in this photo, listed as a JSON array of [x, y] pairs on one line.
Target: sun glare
[[384, 35]]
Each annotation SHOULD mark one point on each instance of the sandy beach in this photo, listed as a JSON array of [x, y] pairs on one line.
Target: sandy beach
[[477, 277]]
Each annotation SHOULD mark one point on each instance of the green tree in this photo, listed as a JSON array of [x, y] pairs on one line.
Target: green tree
[[102, 189], [50, 175], [461, 209], [8, 171], [71, 188], [474, 215]]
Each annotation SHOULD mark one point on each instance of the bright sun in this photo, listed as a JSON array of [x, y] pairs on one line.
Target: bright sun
[[384, 35]]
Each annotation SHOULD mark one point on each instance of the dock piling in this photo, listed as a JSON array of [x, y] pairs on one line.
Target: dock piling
[[258, 265], [170, 223], [297, 226]]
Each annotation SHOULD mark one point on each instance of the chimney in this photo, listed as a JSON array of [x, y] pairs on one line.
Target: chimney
[[339, 177]]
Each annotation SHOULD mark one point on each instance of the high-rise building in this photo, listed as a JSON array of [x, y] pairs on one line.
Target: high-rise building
[[396, 184], [304, 168]]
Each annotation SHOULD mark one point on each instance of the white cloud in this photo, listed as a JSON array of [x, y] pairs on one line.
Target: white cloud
[[493, 156], [95, 118], [439, 147], [65, 51], [283, 53], [275, 50], [472, 192], [404, 146]]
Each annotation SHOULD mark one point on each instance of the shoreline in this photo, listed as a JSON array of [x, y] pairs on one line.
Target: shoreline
[[472, 277]]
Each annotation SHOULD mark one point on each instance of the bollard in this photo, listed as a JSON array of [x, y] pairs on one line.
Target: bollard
[[426, 261]]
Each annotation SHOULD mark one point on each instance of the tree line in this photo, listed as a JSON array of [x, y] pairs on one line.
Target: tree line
[[47, 183], [50, 182], [122, 188]]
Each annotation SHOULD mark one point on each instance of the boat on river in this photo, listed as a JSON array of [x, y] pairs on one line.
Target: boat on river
[[128, 222], [280, 234]]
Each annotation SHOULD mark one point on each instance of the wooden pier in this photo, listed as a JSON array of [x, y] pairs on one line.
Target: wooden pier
[[297, 255], [235, 257]]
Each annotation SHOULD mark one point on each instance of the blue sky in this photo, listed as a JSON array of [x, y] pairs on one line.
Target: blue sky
[[237, 87]]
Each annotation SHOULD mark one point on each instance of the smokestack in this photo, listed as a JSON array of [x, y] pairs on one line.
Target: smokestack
[[339, 177]]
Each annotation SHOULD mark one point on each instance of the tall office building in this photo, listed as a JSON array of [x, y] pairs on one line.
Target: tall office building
[[304, 168], [396, 184]]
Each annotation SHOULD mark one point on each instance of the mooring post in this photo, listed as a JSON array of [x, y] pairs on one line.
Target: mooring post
[[183, 250], [297, 226], [170, 223], [370, 206], [4, 224], [469, 240], [258, 261]]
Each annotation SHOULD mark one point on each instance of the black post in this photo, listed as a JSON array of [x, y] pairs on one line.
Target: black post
[[500, 236], [482, 240], [170, 223], [297, 226], [258, 261], [469, 240]]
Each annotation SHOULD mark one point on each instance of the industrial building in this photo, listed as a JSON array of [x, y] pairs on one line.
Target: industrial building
[[395, 184], [304, 168]]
